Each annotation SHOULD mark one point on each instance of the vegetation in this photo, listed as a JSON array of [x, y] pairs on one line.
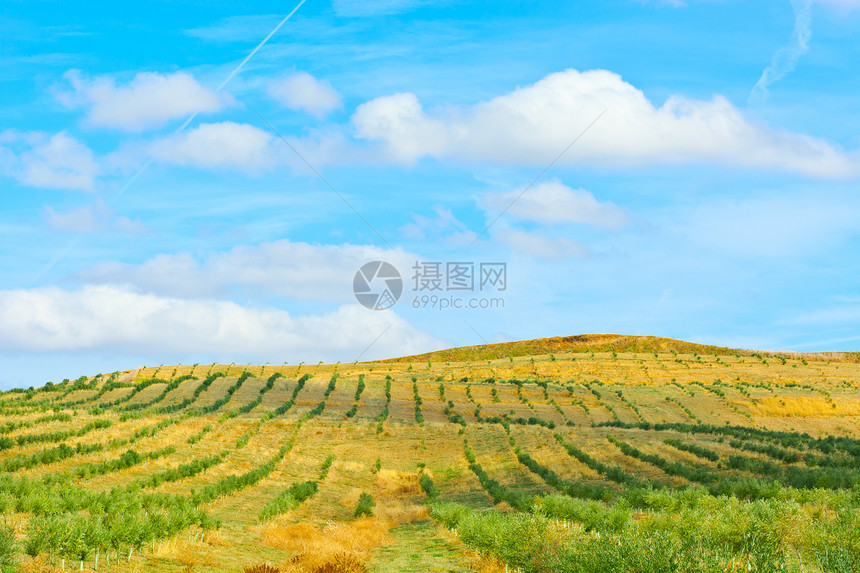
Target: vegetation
[[604, 454], [365, 505]]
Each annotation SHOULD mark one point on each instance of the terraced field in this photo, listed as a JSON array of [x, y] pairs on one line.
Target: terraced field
[[642, 456]]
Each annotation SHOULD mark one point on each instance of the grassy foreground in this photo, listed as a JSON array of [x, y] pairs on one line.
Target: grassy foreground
[[643, 455]]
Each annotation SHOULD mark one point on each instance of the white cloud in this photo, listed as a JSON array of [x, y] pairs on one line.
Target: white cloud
[[58, 161], [279, 268], [95, 218], [303, 92], [225, 145], [541, 246], [149, 100], [554, 202], [531, 125], [119, 319]]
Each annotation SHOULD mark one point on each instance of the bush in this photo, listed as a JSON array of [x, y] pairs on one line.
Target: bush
[[426, 483], [365, 505]]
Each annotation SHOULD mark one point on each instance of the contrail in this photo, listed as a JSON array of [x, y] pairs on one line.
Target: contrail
[[785, 59], [260, 45], [62, 254]]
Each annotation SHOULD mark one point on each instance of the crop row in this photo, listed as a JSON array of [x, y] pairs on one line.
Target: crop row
[[827, 445], [419, 417], [578, 489], [10, 427], [286, 406], [270, 383], [383, 415], [56, 436], [358, 391]]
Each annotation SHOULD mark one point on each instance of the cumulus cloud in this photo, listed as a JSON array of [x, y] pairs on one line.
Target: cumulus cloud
[[531, 125], [303, 92], [281, 268], [124, 320], [95, 218], [224, 145], [149, 100], [554, 202], [56, 161]]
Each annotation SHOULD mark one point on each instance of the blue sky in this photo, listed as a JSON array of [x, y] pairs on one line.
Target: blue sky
[[683, 169]]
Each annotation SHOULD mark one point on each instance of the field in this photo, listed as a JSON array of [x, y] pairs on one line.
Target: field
[[582, 454]]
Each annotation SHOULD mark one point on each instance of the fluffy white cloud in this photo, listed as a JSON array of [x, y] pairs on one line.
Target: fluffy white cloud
[[58, 161], [540, 246], [95, 218], [303, 92], [531, 125], [149, 100], [279, 268], [119, 319], [555, 202], [225, 145]]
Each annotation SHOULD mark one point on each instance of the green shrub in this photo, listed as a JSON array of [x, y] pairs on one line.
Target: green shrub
[[426, 483], [365, 505]]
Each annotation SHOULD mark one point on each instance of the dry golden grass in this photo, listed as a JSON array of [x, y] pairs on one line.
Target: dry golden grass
[[316, 547], [806, 407], [393, 482], [190, 555]]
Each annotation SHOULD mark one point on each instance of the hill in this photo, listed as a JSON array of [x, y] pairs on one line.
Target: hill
[[603, 343], [590, 453]]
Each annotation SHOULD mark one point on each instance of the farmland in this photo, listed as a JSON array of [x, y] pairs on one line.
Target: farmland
[[581, 454]]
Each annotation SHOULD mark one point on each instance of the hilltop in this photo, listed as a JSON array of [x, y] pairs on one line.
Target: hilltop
[[603, 343]]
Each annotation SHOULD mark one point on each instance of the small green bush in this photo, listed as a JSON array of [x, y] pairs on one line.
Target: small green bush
[[365, 505]]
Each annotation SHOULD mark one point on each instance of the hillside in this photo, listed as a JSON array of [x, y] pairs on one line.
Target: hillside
[[590, 453]]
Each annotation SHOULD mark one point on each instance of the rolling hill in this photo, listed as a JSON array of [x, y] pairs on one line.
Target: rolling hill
[[583, 453]]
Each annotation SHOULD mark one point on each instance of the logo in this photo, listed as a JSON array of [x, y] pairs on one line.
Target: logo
[[377, 285]]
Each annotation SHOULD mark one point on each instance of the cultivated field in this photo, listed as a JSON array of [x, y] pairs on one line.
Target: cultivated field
[[591, 453]]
